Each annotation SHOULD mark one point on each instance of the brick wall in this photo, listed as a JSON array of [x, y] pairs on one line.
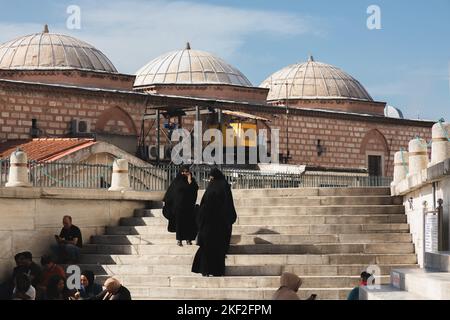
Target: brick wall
[[347, 139]]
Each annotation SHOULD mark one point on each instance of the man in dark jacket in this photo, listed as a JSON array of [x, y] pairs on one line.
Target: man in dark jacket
[[216, 217], [114, 291], [179, 206]]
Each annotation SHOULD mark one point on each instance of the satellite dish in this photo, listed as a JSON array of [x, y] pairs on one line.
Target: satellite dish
[[392, 112]]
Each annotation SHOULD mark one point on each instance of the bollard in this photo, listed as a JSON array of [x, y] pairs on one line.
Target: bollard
[[440, 144], [120, 180], [418, 156], [401, 162], [18, 171]]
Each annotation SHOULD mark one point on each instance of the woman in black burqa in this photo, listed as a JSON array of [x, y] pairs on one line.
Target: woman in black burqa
[[215, 220], [179, 206]]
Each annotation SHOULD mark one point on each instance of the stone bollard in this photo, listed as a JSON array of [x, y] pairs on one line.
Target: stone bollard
[[418, 156], [120, 180], [440, 144], [401, 161], [18, 170]]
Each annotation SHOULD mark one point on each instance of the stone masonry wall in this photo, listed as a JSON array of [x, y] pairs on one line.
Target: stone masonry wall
[[29, 217]]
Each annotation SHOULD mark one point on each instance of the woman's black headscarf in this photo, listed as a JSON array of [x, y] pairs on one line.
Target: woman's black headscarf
[[90, 276], [216, 174]]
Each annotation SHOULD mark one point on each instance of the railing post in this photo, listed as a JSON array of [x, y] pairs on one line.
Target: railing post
[[443, 235], [18, 170]]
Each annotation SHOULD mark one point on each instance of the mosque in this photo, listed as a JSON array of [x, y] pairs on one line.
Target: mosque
[[54, 86]]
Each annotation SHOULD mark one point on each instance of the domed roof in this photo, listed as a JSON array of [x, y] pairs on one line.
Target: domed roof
[[314, 80], [189, 67], [393, 112], [44, 51]]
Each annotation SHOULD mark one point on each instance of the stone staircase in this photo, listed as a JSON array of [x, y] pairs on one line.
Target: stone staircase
[[326, 236], [430, 283]]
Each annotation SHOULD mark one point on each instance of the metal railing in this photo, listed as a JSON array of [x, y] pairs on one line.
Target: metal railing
[[157, 178]]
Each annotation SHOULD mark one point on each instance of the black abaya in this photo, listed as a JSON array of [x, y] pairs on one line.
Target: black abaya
[[179, 208], [216, 217]]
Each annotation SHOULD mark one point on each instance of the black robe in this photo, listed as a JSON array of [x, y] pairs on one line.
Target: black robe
[[215, 219], [179, 208]]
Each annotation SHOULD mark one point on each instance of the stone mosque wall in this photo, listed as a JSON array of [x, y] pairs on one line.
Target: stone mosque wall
[[346, 139]]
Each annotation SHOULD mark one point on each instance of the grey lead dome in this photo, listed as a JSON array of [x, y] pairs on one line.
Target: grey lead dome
[[314, 80], [44, 51], [189, 67]]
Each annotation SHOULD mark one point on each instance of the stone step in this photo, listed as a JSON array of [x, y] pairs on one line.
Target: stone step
[[186, 259], [433, 285], [230, 293], [321, 210], [382, 248], [274, 229], [315, 201], [169, 238], [387, 292], [289, 192], [235, 281], [285, 220], [288, 210]]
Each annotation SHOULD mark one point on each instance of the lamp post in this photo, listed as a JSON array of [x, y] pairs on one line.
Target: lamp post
[[287, 124]]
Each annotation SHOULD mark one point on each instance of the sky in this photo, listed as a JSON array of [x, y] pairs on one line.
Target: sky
[[406, 63]]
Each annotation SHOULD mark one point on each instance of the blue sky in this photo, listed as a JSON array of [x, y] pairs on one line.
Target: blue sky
[[406, 63]]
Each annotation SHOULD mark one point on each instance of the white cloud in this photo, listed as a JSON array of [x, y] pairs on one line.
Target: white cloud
[[131, 33]]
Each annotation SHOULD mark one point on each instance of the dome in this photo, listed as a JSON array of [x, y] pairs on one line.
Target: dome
[[47, 51], [189, 67], [314, 80], [393, 112]]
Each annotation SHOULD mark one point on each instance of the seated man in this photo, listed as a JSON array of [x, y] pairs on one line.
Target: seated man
[[25, 264], [69, 242], [114, 291]]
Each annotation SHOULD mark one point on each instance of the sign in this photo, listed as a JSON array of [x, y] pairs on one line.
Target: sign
[[431, 233], [395, 279]]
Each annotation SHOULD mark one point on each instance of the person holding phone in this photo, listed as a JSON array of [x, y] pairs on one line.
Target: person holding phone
[[68, 242], [290, 283]]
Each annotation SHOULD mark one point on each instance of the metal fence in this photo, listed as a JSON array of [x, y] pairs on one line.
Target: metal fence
[[157, 178]]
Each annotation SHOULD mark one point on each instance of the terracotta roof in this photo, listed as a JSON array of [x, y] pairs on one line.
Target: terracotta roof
[[45, 149]]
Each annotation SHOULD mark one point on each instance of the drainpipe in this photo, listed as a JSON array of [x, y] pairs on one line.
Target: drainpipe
[[433, 190]]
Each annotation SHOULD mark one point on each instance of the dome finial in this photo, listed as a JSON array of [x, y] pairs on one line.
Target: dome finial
[[310, 58], [45, 29], [188, 46]]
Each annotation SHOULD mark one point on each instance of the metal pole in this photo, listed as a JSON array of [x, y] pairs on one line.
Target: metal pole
[[287, 124], [158, 135], [199, 135]]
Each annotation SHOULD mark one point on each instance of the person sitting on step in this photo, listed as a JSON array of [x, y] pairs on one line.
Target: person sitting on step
[[23, 289], [290, 283], [50, 268], [364, 278], [89, 288], [69, 242], [114, 291]]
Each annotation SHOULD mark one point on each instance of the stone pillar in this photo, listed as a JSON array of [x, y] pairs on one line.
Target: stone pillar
[[418, 155], [401, 163], [18, 171], [120, 180], [440, 144]]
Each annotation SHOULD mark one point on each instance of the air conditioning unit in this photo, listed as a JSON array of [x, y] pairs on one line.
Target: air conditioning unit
[[80, 126], [165, 152]]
